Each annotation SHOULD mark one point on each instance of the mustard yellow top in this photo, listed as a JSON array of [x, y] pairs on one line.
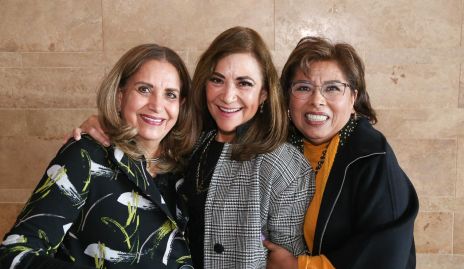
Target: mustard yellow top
[[313, 154]]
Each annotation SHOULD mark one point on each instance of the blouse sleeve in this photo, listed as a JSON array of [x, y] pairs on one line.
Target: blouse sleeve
[[51, 210], [292, 189], [314, 262]]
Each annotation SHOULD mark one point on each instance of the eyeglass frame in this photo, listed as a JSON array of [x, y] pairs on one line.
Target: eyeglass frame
[[320, 88]]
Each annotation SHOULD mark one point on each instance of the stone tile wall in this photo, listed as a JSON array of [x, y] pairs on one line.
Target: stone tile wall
[[54, 53]]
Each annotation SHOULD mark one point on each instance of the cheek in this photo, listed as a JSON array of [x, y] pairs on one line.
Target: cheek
[[173, 110], [295, 106]]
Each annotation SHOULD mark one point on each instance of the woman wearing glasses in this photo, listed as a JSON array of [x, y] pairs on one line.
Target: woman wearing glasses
[[362, 214]]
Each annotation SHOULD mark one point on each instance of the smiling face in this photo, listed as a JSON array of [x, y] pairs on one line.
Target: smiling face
[[234, 92], [150, 101], [316, 118]]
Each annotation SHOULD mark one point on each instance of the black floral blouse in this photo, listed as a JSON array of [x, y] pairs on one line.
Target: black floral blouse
[[97, 207]]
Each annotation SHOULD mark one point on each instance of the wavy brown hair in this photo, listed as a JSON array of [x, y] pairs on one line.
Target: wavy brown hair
[[265, 131], [313, 49], [175, 145]]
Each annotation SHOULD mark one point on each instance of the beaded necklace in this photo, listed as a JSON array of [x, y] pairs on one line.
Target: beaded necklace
[[321, 160]]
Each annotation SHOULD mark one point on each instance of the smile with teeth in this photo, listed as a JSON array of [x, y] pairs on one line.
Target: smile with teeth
[[316, 117], [152, 120], [229, 110]]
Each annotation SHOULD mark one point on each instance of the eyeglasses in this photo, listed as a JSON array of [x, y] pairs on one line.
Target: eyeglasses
[[303, 89]]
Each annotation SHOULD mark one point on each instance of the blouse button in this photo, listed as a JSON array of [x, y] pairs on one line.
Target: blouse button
[[218, 248]]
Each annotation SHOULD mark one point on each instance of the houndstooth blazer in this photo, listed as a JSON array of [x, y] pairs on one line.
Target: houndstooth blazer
[[267, 195]]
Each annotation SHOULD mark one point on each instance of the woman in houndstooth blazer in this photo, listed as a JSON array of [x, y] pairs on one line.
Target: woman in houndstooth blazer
[[243, 181]]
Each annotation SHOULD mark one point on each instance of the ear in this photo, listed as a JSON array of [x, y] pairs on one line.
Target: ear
[[354, 95], [263, 95]]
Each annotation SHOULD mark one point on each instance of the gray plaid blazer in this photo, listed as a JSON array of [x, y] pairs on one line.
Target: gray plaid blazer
[[266, 196]]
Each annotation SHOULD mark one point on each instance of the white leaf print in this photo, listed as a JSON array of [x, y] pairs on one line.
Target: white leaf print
[[100, 170], [18, 259], [179, 183], [98, 251], [118, 154], [134, 199], [169, 246], [13, 239], [57, 173], [66, 227]]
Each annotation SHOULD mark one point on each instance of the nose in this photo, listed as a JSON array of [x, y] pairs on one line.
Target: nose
[[230, 94], [316, 98], [154, 101]]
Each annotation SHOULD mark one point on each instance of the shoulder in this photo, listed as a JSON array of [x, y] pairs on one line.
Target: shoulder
[[285, 153], [286, 158], [364, 141], [85, 146]]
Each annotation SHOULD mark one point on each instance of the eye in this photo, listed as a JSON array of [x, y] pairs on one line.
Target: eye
[[332, 88], [144, 89], [245, 83], [215, 80], [302, 87], [172, 94]]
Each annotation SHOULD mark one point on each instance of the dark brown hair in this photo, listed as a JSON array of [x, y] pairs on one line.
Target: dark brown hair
[[175, 144], [313, 49], [265, 131]]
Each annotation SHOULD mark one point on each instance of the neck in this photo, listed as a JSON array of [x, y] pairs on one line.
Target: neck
[[225, 137], [150, 149]]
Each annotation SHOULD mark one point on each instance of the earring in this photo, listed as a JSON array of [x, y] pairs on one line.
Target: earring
[[261, 108], [288, 114]]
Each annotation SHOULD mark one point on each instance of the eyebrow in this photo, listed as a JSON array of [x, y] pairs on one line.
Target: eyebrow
[[151, 86], [144, 83], [238, 78], [324, 82]]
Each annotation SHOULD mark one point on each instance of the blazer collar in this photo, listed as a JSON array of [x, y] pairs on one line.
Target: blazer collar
[[137, 174]]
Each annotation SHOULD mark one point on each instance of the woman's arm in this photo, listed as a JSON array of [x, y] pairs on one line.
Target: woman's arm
[[292, 189]]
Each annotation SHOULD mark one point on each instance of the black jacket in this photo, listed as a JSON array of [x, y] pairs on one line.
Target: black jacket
[[367, 214], [96, 207]]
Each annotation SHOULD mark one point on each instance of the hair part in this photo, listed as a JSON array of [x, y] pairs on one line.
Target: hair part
[[175, 145], [266, 130], [314, 49]]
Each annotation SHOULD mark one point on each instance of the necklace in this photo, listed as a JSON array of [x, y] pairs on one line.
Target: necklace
[[201, 177], [321, 159]]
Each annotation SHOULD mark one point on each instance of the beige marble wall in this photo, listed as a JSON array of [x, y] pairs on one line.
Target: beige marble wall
[[54, 53]]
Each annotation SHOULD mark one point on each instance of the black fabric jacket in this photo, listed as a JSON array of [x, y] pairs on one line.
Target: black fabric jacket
[[96, 207], [369, 205]]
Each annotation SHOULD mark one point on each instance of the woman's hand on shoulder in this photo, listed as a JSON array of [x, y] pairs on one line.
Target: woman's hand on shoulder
[[279, 257], [92, 127]]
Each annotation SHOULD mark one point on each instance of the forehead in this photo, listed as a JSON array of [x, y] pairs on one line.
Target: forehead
[[239, 64], [321, 71], [157, 70]]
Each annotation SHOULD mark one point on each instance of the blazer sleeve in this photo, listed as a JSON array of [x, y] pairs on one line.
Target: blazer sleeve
[[291, 191], [51, 210], [386, 205]]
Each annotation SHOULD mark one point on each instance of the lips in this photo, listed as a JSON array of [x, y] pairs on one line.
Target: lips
[[229, 110], [151, 119], [316, 117]]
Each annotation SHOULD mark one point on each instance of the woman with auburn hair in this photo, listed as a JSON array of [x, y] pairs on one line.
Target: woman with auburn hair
[[363, 211], [115, 207], [243, 183]]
